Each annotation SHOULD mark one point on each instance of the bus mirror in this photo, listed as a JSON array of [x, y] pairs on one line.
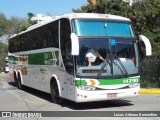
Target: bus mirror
[[147, 44], [75, 44]]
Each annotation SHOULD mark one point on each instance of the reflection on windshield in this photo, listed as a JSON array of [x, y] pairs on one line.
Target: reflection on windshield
[[107, 57], [102, 28]]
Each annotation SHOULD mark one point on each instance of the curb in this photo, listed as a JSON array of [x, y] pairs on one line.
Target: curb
[[149, 91]]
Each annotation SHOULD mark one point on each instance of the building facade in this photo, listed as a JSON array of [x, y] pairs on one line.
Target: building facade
[[129, 1]]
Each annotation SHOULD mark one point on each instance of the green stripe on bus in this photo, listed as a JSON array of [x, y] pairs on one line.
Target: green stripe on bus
[[111, 81], [36, 58], [46, 58], [80, 82]]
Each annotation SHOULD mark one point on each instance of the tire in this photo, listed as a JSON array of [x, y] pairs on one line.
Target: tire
[[15, 79], [55, 93], [19, 83]]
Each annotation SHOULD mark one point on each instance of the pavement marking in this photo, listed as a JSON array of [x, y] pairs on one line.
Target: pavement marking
[[150, 91]]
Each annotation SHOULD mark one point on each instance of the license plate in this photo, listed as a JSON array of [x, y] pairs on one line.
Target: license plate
[[111, 95]]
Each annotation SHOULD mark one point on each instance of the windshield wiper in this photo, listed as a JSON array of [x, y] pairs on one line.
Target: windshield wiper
[[120, 67], [124, 71], [103, 66]]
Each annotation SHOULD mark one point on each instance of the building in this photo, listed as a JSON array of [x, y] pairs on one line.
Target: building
[[129, 1], [42, 18]]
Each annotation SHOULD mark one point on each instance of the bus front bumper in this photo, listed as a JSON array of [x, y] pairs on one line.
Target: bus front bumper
[[101, 95]]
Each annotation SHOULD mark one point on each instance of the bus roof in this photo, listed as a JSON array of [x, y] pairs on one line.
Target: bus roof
[[78, 16], [95, 16]]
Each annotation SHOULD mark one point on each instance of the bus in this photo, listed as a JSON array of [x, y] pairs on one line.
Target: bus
[[6, 65], [52, 58]]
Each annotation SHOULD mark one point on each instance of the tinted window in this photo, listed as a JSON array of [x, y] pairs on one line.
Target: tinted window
[[42, 37], [102, 28]]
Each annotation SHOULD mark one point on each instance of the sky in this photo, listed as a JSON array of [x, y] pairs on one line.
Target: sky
[[20, 8]]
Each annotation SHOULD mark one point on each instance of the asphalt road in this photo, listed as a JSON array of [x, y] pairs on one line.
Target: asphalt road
[[12, 99]]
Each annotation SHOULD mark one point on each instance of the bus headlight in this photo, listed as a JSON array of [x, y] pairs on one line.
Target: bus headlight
[[88, 88], [134, 85]]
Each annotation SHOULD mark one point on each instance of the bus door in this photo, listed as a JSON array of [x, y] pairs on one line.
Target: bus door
[[65, 46], [67, 77]]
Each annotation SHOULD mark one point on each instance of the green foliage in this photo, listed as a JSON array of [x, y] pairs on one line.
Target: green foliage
[[9, 27], [4, 52], [4, 24], [30, 15], [150, 69], [15, 24], [145, 17], [28, 22]]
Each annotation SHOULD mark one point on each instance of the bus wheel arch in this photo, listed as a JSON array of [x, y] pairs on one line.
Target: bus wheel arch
[[19, 81], [55, 91]]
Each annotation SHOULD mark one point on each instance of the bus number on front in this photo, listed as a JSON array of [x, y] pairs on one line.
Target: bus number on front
[[128, 81]]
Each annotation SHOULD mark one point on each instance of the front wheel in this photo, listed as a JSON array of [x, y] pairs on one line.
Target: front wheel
[[55, 93]]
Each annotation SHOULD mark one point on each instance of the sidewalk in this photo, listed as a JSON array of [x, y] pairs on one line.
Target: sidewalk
[[149, 91]]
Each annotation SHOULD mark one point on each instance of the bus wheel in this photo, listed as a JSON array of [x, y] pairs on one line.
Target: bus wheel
[[19, 83], [15, 79], [55, 93]]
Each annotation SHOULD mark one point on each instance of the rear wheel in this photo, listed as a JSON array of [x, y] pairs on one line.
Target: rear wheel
[[15, 79], [55, 93], [19, 83]]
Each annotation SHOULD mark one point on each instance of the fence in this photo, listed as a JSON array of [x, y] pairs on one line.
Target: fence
[[150, 72]]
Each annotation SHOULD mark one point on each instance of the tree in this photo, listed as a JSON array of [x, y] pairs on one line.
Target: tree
[[3, 51], [16, 24], [3, 24], [31, 22], [28, 22], [9, 27], [21, 24], [30, 15]]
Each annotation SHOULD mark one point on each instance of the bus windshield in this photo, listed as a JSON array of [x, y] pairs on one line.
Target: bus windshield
[[120, 57], [102, 28]]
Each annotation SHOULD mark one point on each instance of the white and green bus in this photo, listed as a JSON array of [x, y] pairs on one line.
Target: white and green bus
[[52, 58], [6, 69]]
